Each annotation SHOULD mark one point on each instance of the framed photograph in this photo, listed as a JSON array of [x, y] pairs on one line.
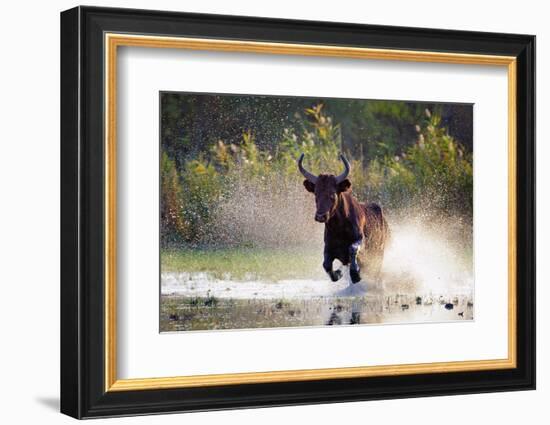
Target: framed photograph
[[261, 212]]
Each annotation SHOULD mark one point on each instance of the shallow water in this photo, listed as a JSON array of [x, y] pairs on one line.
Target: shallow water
[[427, 276], [184, 314], [195, 302]]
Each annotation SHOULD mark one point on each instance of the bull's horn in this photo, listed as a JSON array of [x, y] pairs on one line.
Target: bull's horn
[[312, 178], [341, 177]]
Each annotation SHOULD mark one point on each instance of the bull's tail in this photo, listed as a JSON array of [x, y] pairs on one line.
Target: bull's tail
[[378, 231], [377, 235]]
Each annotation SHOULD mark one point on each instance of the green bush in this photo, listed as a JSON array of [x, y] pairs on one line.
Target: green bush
[[172, 220], [434, 173], [201, 190]]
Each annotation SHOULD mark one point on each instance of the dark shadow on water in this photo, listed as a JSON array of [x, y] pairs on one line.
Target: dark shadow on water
[[49, 402], [334, 319], [355, 318], [353, 290], [341, 314]]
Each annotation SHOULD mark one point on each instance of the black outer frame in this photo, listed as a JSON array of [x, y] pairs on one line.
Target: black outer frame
[[82, 212]]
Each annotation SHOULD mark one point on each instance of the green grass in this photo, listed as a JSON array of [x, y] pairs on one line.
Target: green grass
[[245, 263]]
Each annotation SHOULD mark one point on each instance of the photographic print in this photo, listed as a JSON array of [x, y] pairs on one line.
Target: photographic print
[[278, 183], [283, 211]]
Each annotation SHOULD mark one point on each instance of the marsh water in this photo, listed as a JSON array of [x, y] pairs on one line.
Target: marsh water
[[180, 313], [424, 279], [196, 302]]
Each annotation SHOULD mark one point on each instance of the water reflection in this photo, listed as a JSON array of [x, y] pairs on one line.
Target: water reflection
[[184, 313]]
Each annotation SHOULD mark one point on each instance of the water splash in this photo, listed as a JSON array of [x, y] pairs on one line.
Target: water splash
[[425, 255], [267, 213], [427, 258]]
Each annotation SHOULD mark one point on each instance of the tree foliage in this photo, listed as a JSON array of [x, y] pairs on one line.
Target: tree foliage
[[402, 155]]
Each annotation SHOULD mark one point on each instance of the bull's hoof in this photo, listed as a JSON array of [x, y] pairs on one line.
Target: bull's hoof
[[355, 276], [335, 275]]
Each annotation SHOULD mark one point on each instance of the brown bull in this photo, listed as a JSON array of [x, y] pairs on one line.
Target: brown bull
[[355, 233]]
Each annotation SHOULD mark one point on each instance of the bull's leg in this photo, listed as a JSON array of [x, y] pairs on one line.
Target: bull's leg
[[335, 275], [353, 266]]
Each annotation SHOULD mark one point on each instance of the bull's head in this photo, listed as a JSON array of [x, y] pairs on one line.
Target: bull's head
[[327, 188]]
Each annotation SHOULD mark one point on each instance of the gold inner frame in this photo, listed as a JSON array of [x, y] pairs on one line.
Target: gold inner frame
[[113, 41]]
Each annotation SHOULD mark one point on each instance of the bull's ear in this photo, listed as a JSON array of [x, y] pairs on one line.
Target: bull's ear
[[310, 187], [344, 185]]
